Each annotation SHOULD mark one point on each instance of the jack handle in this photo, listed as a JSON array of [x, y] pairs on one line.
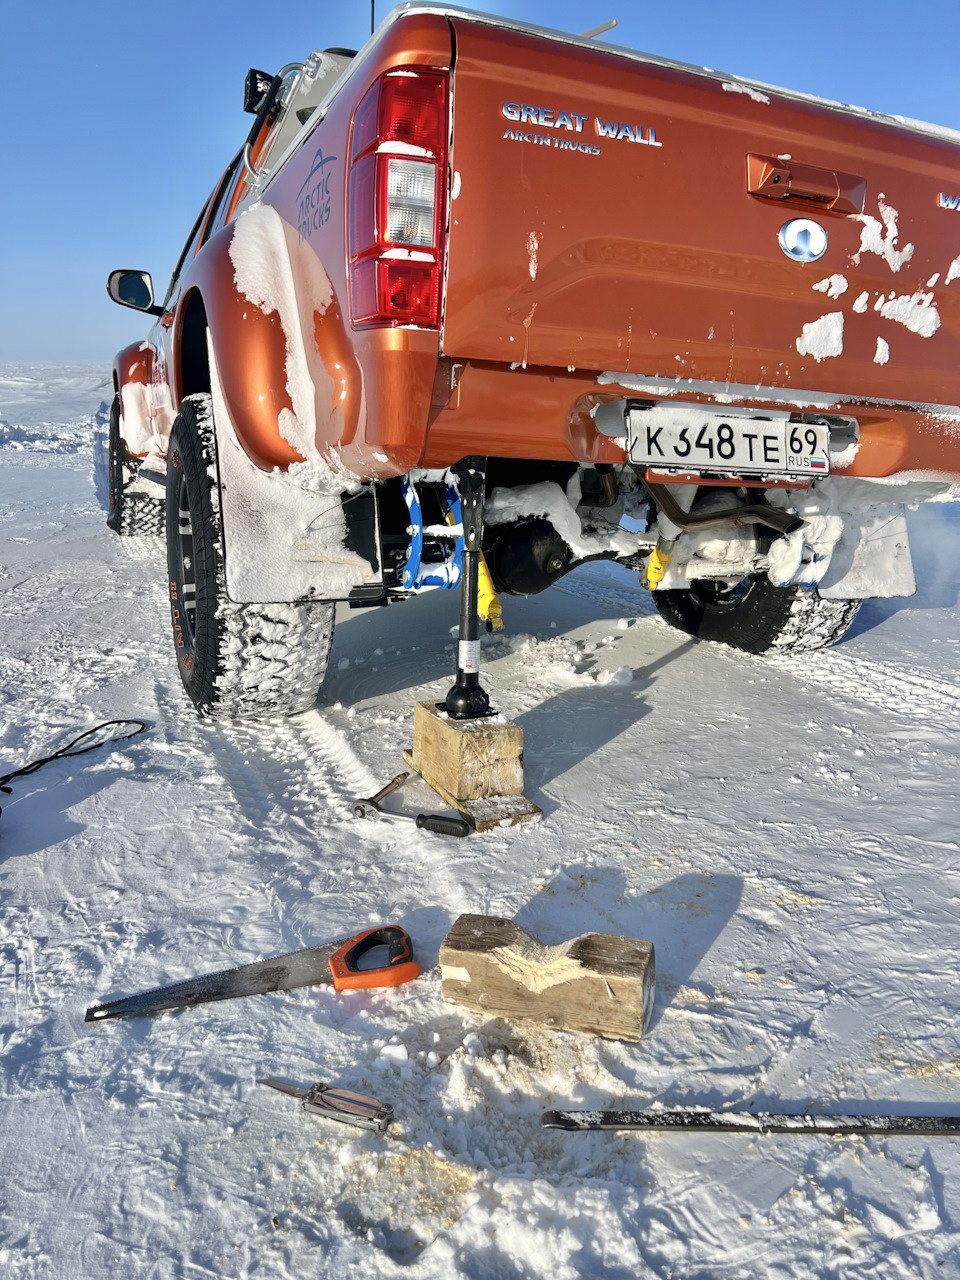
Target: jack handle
[[393, 785]]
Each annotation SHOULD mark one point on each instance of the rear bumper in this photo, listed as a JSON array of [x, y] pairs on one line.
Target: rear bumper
[[502, 411]]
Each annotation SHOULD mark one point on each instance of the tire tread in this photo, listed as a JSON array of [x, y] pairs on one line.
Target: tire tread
[[132, 515], [252, 660], [770, 619], [815, 623]]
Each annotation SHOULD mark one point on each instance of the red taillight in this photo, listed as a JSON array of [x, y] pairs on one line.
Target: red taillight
[[392, 291], [405, 105], [397, 199]]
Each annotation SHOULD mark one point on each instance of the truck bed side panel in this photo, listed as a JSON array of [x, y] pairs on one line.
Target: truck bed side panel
[[644, 252]]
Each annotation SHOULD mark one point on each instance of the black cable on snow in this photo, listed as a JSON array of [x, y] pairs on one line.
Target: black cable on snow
[[73, 749]]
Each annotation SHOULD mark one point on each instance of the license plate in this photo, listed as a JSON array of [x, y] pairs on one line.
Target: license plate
[[700, 438]]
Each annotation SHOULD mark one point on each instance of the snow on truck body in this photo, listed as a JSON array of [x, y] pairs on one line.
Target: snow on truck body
[[614, 277]]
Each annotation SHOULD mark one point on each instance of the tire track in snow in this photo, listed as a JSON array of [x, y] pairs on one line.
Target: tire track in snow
[[889, 689], [314, 730], [294, 782], [283, 764], [586, 586]]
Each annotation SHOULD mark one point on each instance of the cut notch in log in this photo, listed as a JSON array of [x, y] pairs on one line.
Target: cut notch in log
[[597, 983]]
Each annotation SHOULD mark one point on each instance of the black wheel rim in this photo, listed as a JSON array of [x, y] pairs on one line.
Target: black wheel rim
[[188, 571], [721, 595]]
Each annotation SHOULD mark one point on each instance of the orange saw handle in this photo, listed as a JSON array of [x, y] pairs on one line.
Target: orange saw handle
[[400, 967]]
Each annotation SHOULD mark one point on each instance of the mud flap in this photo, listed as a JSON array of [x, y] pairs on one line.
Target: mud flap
[[285, 534], [871, 557]]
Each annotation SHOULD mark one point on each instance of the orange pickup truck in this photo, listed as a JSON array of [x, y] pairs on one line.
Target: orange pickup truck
[[701, 326]]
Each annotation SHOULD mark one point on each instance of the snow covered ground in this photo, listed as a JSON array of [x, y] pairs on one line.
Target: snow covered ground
[[785, 831]]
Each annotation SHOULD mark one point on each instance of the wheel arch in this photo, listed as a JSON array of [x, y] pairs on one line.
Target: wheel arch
[[132, 373], [249, 348], [192, 364]]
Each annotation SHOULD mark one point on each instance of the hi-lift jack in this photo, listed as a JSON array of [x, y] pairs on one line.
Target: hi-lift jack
[[461, 566], [467, 699], [420, 574], [470, 757]]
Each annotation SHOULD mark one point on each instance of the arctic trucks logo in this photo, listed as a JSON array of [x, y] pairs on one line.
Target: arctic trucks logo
[[948, 202], [313, 207], [571, 122]]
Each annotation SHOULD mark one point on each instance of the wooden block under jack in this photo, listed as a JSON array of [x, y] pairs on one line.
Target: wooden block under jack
[[486, 812], [469, 758], [597, 983], [475, 765]]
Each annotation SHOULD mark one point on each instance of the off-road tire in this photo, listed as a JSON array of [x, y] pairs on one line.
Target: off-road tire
[[235, 660], [132, 515], [757, 616], [815, 623]]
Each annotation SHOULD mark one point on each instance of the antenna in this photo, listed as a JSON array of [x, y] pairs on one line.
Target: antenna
[[373, 21], [598, 31]]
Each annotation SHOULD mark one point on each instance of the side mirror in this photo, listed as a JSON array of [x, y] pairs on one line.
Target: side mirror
[[255, 89], [133, 289]]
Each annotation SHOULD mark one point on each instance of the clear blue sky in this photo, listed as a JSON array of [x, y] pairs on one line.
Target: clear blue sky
[[120, 117]]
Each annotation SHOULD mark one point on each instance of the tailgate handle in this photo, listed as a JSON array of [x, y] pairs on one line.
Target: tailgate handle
[[825, 189]]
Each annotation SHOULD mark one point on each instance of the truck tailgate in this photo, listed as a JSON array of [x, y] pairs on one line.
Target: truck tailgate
[[601, 219]]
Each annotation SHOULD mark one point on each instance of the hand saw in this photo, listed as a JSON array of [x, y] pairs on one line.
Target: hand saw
[[337, 962]]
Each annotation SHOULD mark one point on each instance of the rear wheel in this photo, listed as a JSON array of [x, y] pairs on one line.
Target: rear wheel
[[756, 616], [235, 660], [131, 515]]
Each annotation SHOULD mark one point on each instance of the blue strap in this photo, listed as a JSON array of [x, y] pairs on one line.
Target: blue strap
[[416, 575]]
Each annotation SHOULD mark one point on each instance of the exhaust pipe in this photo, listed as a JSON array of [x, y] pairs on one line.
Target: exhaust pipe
[[682, 522], [756, 513]]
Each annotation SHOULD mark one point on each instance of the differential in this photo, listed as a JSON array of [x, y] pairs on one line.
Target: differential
[[527, 557]]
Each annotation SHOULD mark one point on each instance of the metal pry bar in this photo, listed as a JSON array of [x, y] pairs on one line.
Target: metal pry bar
[[684, 1120]]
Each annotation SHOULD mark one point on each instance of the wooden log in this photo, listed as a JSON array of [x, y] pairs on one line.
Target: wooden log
[[597, 983], [470, 759]]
